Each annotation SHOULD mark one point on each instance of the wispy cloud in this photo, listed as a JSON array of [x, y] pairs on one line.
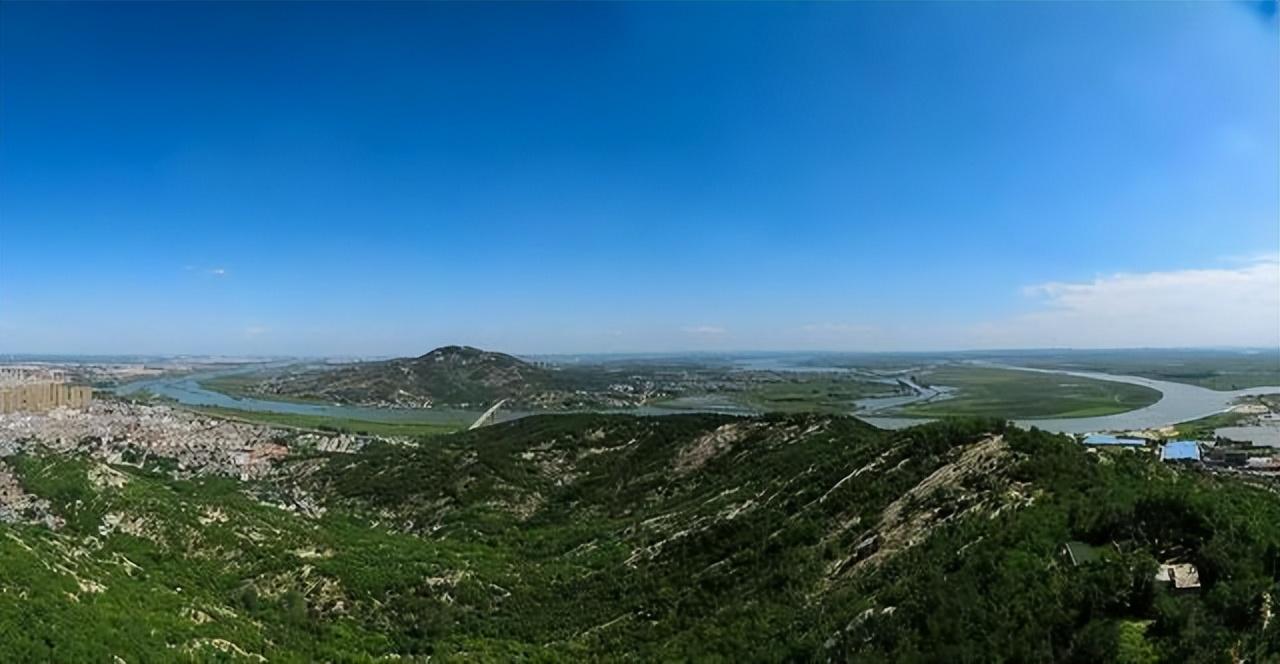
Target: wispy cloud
[[256, 331], [1237, 306], [211, 271], [1252, 259], [704, 330], [837, 329]]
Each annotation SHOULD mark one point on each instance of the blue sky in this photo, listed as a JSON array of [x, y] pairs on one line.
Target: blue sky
[[378, 179]]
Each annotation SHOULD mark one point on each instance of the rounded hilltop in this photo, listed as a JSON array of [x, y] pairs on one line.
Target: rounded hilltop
[[455, 352]]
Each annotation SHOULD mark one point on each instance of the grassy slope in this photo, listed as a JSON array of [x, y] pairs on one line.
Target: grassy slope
[[1026, 394], [177, 580], [571, 538]]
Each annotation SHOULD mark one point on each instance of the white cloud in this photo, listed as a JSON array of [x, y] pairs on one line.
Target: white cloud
[[218, 272], [256, 331], [1236, 306], [704, 330]]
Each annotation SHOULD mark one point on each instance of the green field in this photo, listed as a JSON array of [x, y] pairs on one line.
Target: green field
[[1204, 428], [237, 385], [809, 393], [987, 391], [325, 423], [1214, 369]]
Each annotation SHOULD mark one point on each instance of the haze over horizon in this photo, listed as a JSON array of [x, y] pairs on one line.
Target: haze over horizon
[[380, 179]]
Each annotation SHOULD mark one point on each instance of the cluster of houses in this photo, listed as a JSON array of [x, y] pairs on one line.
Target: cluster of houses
[[1209, 453], [1172, 450]]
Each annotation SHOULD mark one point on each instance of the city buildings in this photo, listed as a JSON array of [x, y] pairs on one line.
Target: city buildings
[[37, 389]]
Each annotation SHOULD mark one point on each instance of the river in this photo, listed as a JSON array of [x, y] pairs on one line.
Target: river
[[1178, 403], [186, 389]]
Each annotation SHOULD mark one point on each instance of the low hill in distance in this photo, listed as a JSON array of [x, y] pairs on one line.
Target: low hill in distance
[[470, 378], [459, 376], [706, 538]]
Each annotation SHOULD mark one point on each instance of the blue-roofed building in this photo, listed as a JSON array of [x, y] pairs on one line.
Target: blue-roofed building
[[1105, 439], [1180, 450]]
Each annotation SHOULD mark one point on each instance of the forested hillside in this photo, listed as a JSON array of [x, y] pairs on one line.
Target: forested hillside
[[616, 538], [451, 375]]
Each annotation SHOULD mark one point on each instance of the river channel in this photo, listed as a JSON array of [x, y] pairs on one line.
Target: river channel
[[1179, 402], [187, 390]]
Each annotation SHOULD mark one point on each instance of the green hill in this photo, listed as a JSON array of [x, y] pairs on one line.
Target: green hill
[[616, 538], [448, 376]]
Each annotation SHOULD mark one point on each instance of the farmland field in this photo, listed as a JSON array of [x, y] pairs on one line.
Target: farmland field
[[1214, 369], [810, 393], [1025, 394]]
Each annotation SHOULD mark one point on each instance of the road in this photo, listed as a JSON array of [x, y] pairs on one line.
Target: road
[[487, 416]]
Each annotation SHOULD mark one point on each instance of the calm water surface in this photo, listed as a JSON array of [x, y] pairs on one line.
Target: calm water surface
[[1178, 403], [187, 390]]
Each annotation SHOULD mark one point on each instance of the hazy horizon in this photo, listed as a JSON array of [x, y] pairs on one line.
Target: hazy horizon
[[373, 179], [1242, 350]]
